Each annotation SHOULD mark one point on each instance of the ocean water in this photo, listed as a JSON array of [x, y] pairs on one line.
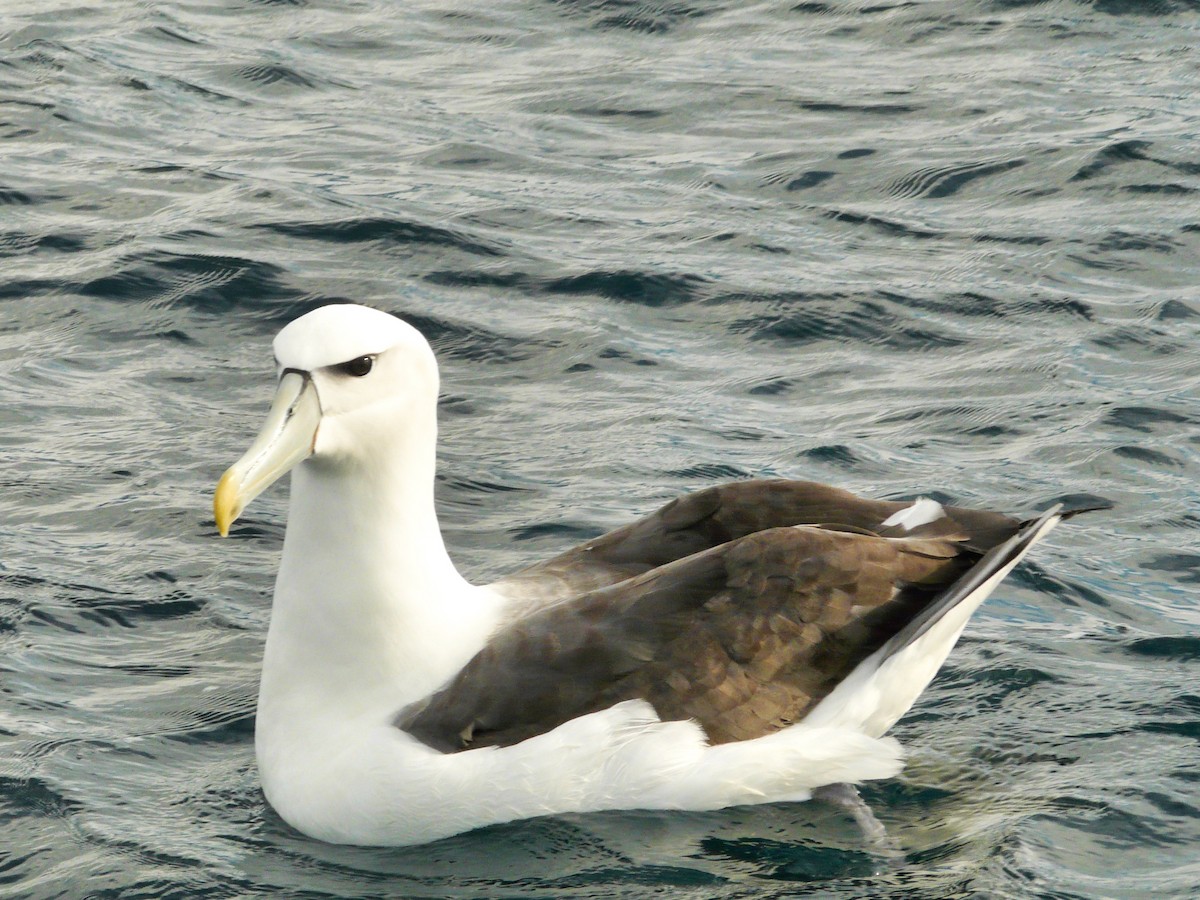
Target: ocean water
[[913, 248]]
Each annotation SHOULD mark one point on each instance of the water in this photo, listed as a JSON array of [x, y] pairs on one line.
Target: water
[[939, 248]]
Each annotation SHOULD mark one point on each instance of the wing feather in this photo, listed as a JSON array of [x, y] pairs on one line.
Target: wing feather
[[715, 516], [744, 638]]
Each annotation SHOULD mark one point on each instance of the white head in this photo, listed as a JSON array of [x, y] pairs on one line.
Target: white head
[[352, 382]]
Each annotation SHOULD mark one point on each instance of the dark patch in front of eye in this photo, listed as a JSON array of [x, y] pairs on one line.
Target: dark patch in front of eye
[[357, 367]]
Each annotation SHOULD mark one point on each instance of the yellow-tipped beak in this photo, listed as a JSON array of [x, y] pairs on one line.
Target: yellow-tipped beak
[[287, 438]]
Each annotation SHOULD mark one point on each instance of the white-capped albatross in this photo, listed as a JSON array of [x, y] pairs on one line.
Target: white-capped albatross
[[744, 644]]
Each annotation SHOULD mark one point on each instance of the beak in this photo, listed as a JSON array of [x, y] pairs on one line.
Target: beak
[[286, 439]]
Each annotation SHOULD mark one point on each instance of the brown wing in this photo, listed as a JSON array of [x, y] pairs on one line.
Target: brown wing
[[717, 515], [744, 638]]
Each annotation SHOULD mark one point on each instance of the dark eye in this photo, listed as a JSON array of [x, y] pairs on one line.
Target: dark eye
[[356, 367]]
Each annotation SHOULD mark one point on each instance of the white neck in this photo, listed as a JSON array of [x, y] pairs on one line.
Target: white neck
[[369, 611]]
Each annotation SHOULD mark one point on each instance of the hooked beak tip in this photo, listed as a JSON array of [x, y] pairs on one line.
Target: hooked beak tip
[[287, 438], [225, 502]]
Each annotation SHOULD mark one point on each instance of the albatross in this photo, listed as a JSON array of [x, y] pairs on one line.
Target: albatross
[[747, 643]]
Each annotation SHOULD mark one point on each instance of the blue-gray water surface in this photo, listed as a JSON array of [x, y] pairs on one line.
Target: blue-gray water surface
[[910, 247]]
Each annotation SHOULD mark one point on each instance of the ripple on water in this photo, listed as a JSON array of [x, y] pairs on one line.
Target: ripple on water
[[936, 182], [385, 231], [208, 283], [869, 319]]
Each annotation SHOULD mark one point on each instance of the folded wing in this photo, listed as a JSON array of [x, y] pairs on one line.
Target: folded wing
[[744, 637]]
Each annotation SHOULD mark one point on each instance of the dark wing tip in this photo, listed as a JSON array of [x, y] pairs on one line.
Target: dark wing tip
[[991, 562], [1074, 504]]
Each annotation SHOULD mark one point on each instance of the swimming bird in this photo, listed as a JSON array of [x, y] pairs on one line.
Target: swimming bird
[[747, 643]]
